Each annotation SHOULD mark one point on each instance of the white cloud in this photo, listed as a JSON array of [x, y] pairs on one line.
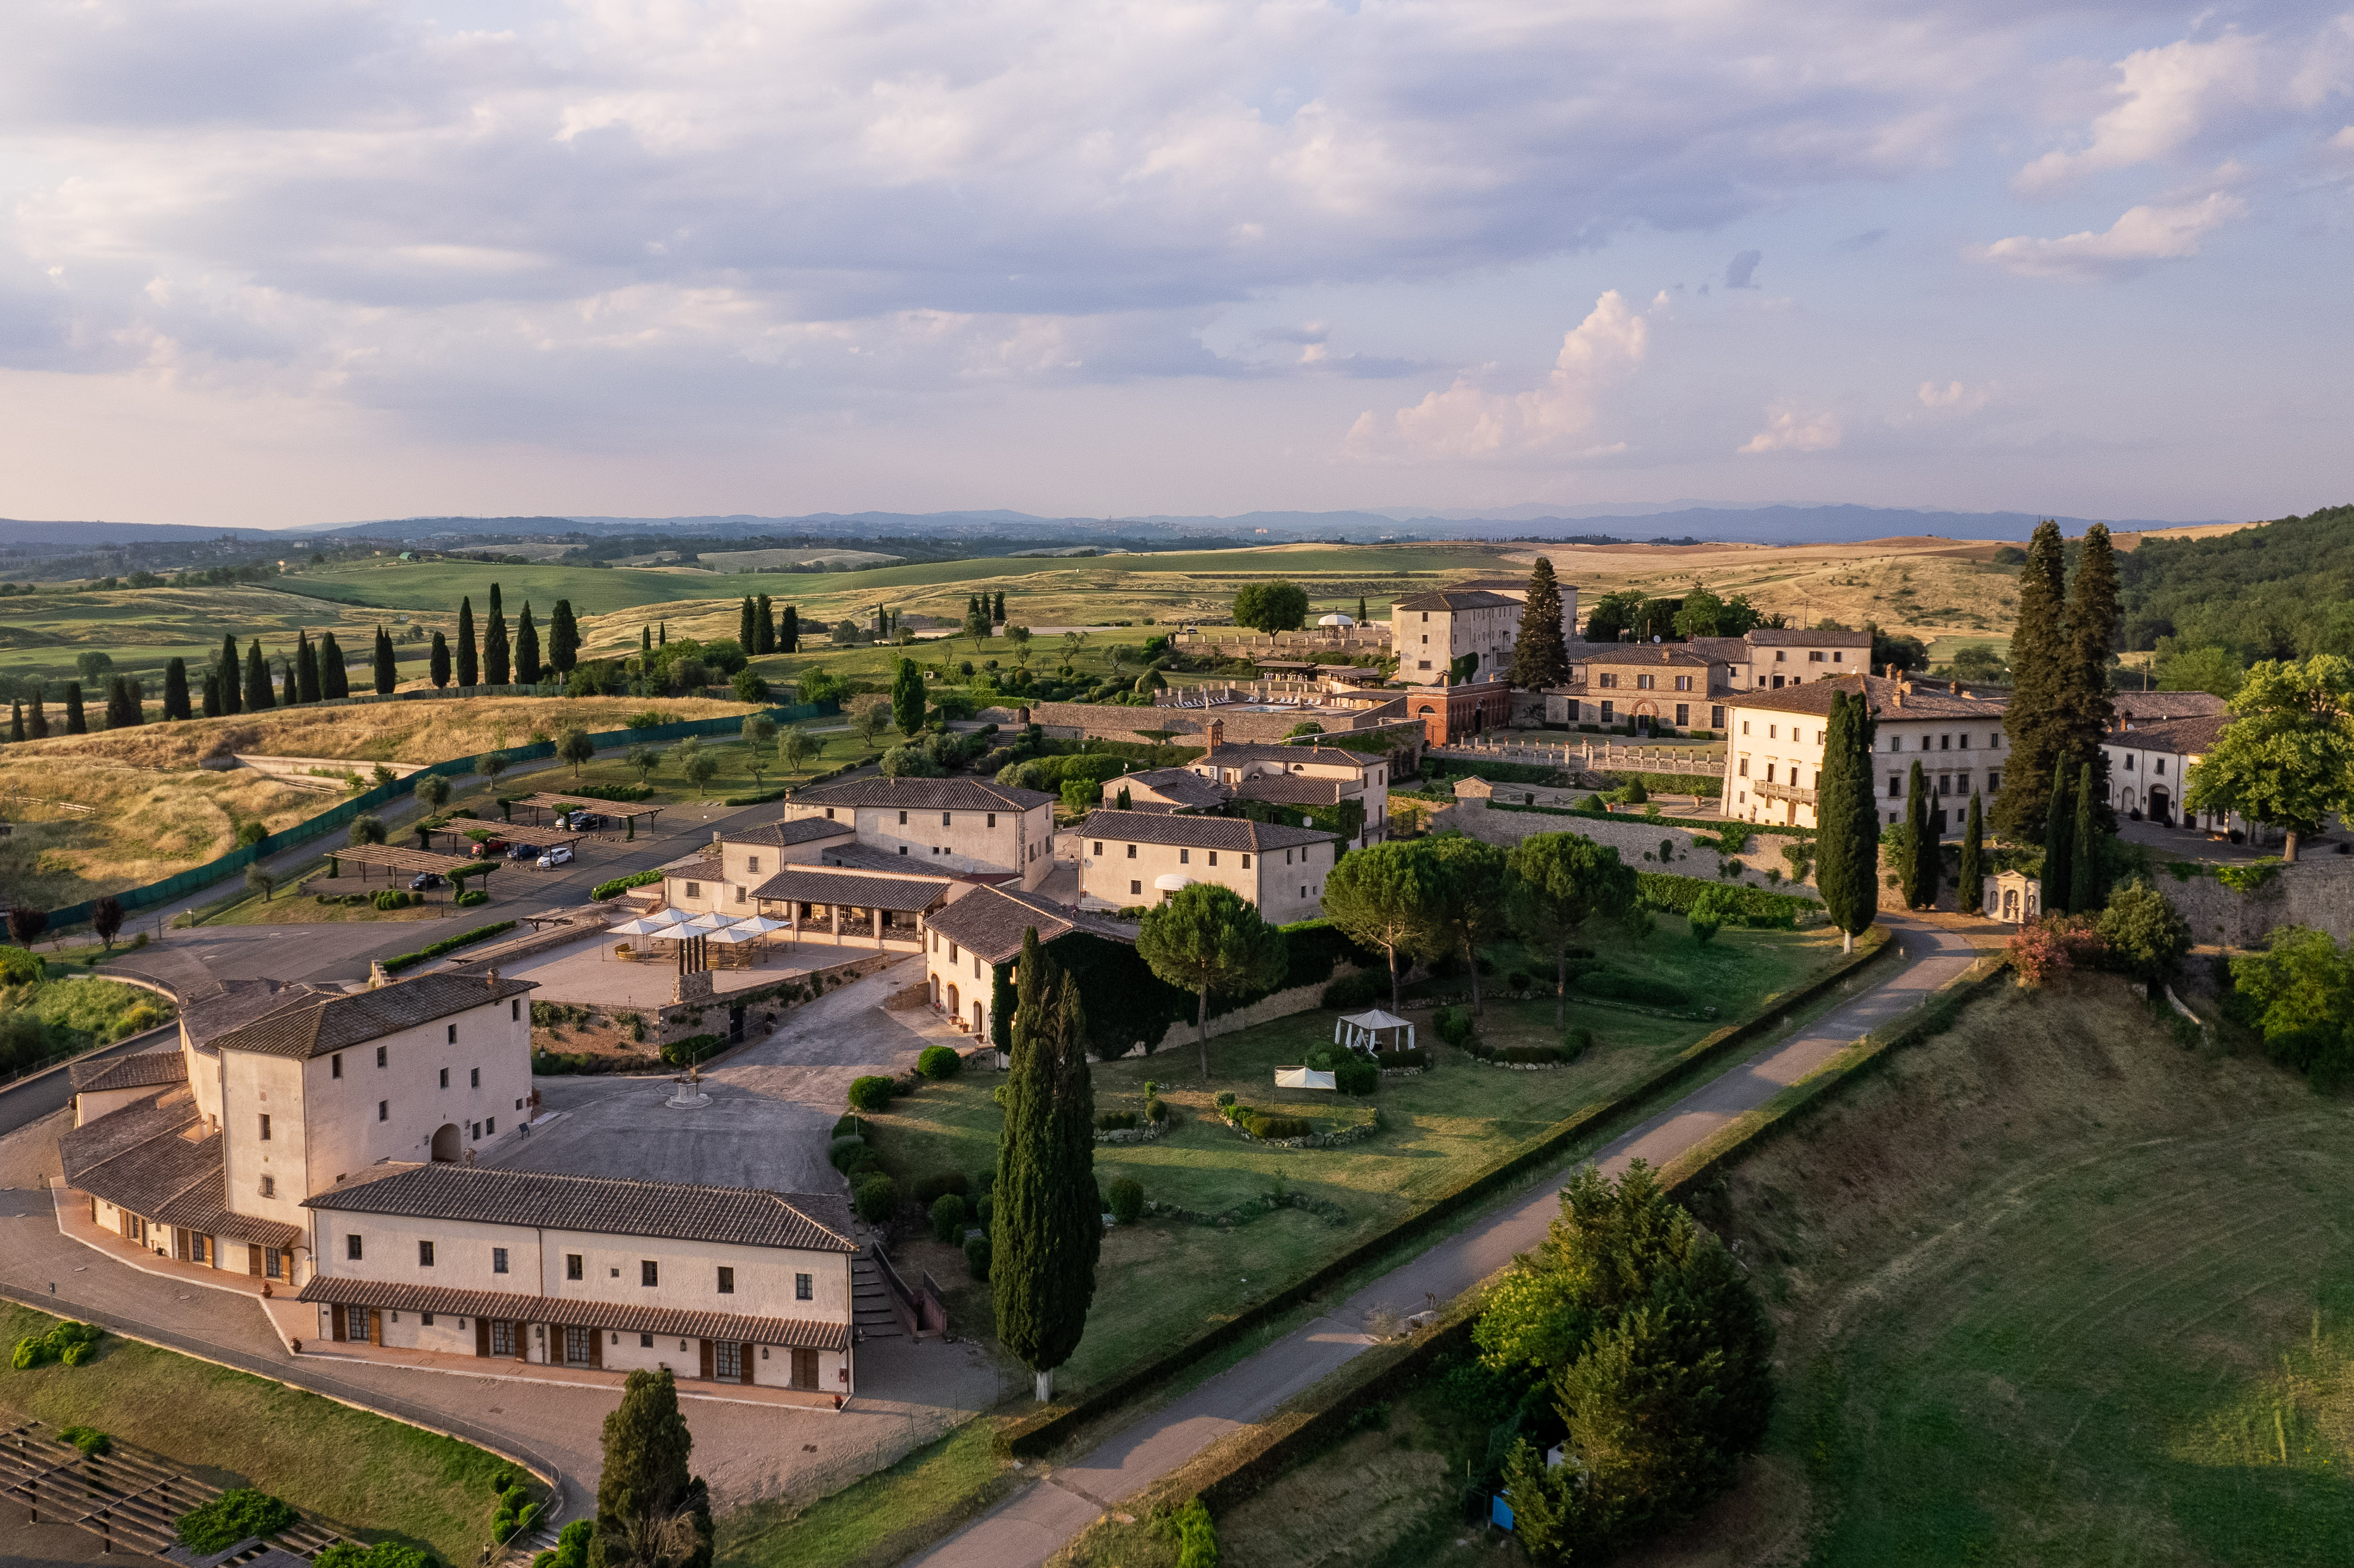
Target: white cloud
[[2141, 236], [1955, 397], [1789, 428], [1468, 422]]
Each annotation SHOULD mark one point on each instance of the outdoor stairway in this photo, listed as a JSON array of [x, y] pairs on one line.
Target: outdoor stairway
[[870, 1302]]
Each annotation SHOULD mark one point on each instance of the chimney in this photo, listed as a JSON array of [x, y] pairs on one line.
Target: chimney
[[1954, 687], [491, 976], [1900, 694]]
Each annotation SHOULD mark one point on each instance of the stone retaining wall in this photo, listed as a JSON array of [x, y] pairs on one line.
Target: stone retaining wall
[[2317, 892]]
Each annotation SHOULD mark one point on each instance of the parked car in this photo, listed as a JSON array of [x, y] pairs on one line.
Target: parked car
[[522, 852], [585, 822], [487, 848], [424, 880], [557, 854]]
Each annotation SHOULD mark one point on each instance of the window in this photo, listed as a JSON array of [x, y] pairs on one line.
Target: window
[[336, 1065], [1964, 743], [944, 820], [379, 1055], [1683, 682], [1745, 768], [571, 1266], [1994, 782], [270, 1186], [1214, 857], [473, 1077], [1184, 856], [1769, 773], [726, 1282], [1246, 862], [1131, 852], [1607, 715], [490, 1127], [803, 1287], [1099, 846], [1745, 727], [1683, 716], [425, 1254], [453, 1036], [265, 1127], [1945, 742], [1896, 785], [829, 813], [383, 1110], [740, 896], [1837, 657], [1896, 743], [2129, 759], [352, 1249], [1643, 683], [952, 952], [903, 818], [427, 1317], [1773, 732], [1609, 681], [1780, 657], [992, 818], [1816, 657], [445, 1077], [649, 1272], [645, 1342], [498, 1260], [2160, 768], [1134, 888], [695, 890]]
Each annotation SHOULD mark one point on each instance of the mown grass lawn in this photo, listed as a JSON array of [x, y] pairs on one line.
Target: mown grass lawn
[[1163, 1281], [383, 1479], [831, 746]]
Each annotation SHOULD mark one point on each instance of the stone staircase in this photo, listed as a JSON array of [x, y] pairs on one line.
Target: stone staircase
[[871, 1313]]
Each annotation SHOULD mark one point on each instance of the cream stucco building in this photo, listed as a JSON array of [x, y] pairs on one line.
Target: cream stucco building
[[1128, 858], [1774, 751]]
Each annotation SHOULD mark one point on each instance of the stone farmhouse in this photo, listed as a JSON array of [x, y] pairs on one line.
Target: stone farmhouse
[[960, 827], [1774, 752], [2151, 748], [1130, 858], [1648, 685], [965, 941], [1429, 631]]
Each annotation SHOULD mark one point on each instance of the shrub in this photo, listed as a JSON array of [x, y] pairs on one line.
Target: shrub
[[1360, 990], [848, 1126], [694, 1048], [1576, 1043], [938, 1183], [1224, 1099], [845, 1152], [2144, 931], [1259, 1125], [1126, 1199], [878, 1199], [621, 884], [1112, 1121], [2051, 947], [1156, 1109], [392, 1554], [1417, 1057], [234, 1516], [1616, 985], [471, 897], [1527, 1055], [983, 1207], [90, 1440], [871, 1092], [939, 1062], [976, 1257], [1356, 1075], [948, 1217], [1517, 980], [1454, 1025]]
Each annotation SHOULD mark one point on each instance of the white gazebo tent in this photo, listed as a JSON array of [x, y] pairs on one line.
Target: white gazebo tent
[[1305, 1078], [1364, 1031]]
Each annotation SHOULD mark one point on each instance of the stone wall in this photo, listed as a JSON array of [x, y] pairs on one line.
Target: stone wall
[[1282, 1004], [1107, 721], [2317, 892]]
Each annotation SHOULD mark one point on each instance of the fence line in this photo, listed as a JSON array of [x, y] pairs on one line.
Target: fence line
[[337, 816]]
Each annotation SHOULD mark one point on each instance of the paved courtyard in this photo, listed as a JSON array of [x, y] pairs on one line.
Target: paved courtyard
[[589, 973]]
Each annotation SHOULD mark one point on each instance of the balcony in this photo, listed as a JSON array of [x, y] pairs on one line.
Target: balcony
[[1767, 791]]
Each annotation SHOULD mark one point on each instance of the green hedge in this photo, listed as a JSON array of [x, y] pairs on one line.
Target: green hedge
[[446, 944], [621, 884], [764, 797], [1751, 905]]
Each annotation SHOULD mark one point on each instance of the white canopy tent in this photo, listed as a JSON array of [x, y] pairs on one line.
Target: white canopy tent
[[1305, 1078], [668, 917], [713, 922], [637, 927], [1365, 1030]]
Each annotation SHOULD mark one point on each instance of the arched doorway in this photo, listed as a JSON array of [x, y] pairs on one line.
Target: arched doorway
[[976, 1017], [446, 1140], [956, 1004], [2161, 805]]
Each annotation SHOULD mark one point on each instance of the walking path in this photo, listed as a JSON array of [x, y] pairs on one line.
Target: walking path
[[1036, 1522]]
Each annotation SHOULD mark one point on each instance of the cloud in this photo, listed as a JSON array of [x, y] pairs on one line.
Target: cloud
[[1864, 241], [1468, 422], [1955, 397], [1738, 270], [2142, 236], [1789, 428]]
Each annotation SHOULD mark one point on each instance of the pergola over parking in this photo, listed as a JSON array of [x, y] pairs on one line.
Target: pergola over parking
[[627, 811], [399, 862], [513, 834]]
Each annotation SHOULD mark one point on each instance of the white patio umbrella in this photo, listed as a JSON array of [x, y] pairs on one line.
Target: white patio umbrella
[[669, 917], [734, 935], [760, 923], [678, 934], [636, 929], [709, 922]]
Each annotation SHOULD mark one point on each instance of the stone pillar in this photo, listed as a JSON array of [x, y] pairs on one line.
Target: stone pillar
[[878, 929]]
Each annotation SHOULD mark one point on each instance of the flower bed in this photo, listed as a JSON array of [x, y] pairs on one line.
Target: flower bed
[[1242, 1213], [1275, 1131]]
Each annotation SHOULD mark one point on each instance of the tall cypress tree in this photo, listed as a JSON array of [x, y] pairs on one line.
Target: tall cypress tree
[[17, 721], [2037, 720], [228, 665], [294, 686], [1361, 609], [335, 677], [527, 670], [469, 669], [76, 724], [645, 1483], [997, 616], [2092, 619], [176, 688], [1920, 870], [1047, 1225], [789, 632], [495, 665], [438, 663], [259, 697], [764, 625], [662, 635], [388, 669], [1847, 816], [306, 669], [563, 638], [36, 723], [1972, 880], [212, 708], [118, 704], [2058, 826], [2084, 847], [1540, 654], [747, 636], [645, 640]]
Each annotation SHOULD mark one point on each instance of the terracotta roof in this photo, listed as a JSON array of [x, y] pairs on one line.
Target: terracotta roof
[[1325, 755], [1716, 650], [1179, 789], [1926, 700], [238, 1002], [792, 831], [1291, 790], [862, 889], [1640, 654], [1799, 637], [1197, 832], [744, 1216], [801, 1333], [2194, 735], [340, 1021], [155, 1158], [989, 923], [147, 1068], [1455, 599], [923, 795], [2140, 705]]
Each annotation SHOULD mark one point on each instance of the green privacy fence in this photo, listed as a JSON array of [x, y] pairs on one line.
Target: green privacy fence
[[340, 815]]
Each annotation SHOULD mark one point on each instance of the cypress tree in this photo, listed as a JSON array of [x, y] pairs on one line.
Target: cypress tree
[[789, 632], [2093, 618], [527, 670], [76, 724], [662, 635], [387, 673], [212, 708], [470, 669], [36, 723], [997, 617], [563, 638], [645, 640], [2058, 823], [645, 1482], [2036, 721], [294, 686], [15, 721], [228, 664], [2085, 849], [1973, 869], [1920, 872], [335, 677], [176, 688], [259, 698], [118, 704], [496, 669], [437, 665], [1847, 838], [764, 624], [1540, 654], [747, 636], [306, 669], [1047, 1225]]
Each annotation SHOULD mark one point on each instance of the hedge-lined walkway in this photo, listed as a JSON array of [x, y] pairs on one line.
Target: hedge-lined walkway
[[1036, 1522]]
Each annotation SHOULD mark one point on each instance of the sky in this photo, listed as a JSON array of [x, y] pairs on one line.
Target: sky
[[293, 261]]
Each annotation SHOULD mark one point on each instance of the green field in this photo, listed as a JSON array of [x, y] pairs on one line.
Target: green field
[[1160, 1282], [384, 1480]]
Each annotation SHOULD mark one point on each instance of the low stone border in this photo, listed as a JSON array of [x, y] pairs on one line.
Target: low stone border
[[1144, 1134], [1520, 1066], [1346, 1136], [1402, 1072]]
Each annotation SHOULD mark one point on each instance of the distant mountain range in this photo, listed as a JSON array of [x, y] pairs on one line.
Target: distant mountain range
[[1775, 524]]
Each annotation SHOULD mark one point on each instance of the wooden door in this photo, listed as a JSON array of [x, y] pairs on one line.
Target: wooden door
[[805, 1369], [597, 1348], [482, 1336], [343, 1330], [253, 1259], [374, 1325], [704, 1347], [744, 1354]]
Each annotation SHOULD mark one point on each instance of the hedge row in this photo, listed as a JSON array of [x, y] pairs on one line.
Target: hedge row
[[446, 944], [1750, 906], [621, 884]]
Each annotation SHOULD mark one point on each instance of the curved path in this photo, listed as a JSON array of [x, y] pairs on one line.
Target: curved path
[[1036, 1521]]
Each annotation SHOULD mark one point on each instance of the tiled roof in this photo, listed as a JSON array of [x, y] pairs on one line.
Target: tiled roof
[[1455, 599], [745, 1216], [791, 831], [147, 1068], [1799, 637], [1925, 700], [855, 856], [1181, 788], [155, 1158], [623, 1317], [1291, 790], [236, 1004], [923, 795], [1640, 654], [989, 923], [1503, 584], [2194, 735], [2140, 705], [1197, 832], [1715, 649], [1326, 755], [339, 1021], [861, 889]]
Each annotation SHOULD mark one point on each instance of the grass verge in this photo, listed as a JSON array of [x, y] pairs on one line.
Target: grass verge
[[880, 1519]]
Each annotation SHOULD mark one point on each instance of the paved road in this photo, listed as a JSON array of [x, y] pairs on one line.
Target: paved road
[[1032, 1525], [22, 1104]]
